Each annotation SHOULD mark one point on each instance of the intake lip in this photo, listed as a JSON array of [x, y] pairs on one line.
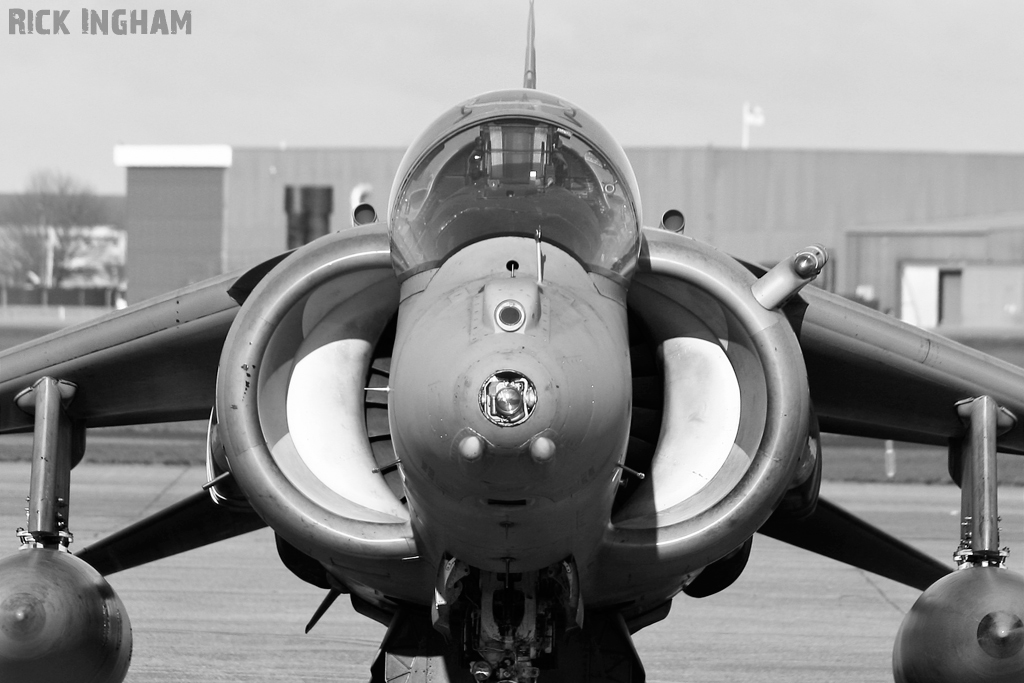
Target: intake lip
[[324, 515]]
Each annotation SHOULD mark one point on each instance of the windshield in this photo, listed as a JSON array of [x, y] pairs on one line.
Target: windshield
[[515, 176]]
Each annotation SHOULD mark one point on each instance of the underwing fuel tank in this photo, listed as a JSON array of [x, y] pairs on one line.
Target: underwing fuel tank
[[60, 622], [966, 627], [969, 626]]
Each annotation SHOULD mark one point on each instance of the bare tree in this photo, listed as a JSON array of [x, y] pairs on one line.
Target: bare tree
[[39, 239]]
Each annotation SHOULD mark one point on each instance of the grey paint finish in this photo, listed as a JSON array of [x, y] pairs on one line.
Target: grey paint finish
[[762, 204]]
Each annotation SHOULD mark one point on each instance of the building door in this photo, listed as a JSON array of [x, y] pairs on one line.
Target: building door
[[919, 295], [959, 295]]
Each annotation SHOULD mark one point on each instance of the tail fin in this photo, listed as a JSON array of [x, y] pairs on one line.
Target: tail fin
[[530, 72]]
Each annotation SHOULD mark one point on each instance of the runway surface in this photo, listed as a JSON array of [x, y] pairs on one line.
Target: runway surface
[[232, 612]]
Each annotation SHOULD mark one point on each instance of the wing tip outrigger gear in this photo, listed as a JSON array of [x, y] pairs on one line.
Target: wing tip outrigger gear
[[968, 625], [57, 614]]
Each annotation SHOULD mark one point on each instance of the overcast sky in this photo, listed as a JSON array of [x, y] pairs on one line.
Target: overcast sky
[[940, 75]]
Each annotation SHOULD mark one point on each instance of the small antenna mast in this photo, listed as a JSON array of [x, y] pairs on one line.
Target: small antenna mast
[[530, 72], [540, 259]]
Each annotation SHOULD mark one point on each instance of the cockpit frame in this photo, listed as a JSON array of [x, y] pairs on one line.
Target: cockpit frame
[[513, 163]]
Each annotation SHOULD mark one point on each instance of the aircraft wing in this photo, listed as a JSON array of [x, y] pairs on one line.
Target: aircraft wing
[[188, 524], [153, 362], [872, 375]]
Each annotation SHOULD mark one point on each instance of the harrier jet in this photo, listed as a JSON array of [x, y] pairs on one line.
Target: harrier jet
[[511, 422]]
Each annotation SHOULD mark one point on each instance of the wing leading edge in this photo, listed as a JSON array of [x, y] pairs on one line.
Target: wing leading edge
[[872, 375], [153, 362]]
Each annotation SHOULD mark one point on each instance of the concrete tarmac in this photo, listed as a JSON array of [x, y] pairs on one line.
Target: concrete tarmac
[[232, 612]]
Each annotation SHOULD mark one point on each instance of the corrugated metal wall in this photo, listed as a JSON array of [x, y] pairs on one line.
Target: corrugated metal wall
[[757, 204], [255, 221], [174, 222], [764, 204]]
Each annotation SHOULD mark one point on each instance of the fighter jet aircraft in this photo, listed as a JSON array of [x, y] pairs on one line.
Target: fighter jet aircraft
[[511, 423]]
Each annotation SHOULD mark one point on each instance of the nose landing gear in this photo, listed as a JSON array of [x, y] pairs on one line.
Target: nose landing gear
[[506, 624], [506, 627]]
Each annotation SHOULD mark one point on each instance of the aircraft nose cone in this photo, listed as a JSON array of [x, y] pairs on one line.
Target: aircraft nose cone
[[1001, 634]]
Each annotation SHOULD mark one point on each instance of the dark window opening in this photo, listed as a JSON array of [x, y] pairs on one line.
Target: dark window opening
[[506, 503], [951, 307], [308, 208]]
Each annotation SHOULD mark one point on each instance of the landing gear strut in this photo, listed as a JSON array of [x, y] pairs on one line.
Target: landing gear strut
[[969, 625], [507, 627], [60, 621]]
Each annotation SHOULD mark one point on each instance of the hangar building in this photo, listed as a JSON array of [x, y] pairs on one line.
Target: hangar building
[[935, 238]]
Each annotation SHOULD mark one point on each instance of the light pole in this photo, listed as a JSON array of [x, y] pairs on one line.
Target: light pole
[[752, 116]]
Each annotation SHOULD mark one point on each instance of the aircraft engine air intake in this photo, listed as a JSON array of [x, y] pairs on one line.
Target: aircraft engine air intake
[[297, 396], [736, 434]]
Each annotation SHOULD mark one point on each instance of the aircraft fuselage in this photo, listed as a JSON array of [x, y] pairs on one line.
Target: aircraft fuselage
[[510, 404]]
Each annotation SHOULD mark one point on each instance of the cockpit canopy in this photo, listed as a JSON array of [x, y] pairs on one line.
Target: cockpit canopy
[[514, 174]]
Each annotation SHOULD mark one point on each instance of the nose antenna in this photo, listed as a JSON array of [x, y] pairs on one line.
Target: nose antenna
[[540, 260], [530, 71]]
